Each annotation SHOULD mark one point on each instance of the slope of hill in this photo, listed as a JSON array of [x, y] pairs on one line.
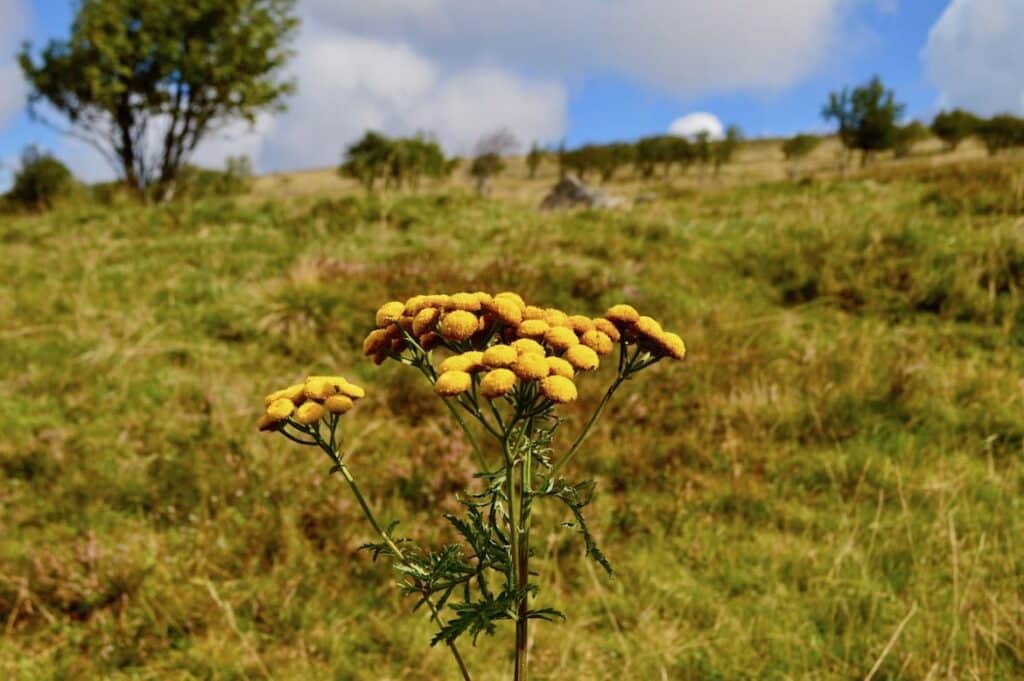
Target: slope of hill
[[833, 481]]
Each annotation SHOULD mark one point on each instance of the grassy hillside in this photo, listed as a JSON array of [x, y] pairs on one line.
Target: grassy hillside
[[832, 482]]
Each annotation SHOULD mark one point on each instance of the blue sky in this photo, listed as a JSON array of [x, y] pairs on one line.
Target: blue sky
[[458, 68], [889, 44]]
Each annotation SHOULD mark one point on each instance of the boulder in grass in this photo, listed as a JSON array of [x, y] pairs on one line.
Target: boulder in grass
[[571, 192]]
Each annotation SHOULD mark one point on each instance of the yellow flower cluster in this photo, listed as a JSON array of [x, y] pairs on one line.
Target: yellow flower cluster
[[310, 401], [508, 341], [646, 332]]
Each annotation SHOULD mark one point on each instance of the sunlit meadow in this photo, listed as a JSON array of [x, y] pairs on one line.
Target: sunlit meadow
[[831, 486]]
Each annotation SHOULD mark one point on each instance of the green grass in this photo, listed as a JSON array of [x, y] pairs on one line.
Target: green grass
[[842, 450]]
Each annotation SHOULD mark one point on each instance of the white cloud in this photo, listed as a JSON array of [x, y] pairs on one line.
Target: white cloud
[[974, 55], [699, 121], [14, 20], [348, 84], [682, 48]]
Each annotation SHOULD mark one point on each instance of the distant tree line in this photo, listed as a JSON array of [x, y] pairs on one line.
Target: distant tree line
[[868, 117], [649, 157], [395, 162]]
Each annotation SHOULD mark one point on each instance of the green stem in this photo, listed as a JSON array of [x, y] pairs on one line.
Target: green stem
[[400, 556], [564, 461], [522, 620], [514, 518], [397, 552], [469, 436]]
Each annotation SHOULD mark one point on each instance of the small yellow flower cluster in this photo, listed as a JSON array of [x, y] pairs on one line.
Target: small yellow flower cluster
[[309, 401], [646, 332], [503, 366], [509, 341]]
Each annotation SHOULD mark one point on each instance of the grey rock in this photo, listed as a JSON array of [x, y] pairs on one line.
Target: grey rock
[[571, 192]]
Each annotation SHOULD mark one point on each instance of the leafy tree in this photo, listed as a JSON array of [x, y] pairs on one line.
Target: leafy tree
[[578, 161], [144, 81], [398, 162], [484, 167], [866, 117], [660, 150], [534, 158], [953, 127], [368, 159], [40, 181], [723, 150], [605, 159], [702, 149], [797, 148], [800, 146], [679, 151], [907, 136], [610, 157], [487, 161], [1001, 132], [415, 157]]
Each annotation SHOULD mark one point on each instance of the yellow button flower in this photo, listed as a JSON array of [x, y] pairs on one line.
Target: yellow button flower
[[528, 346], [533, 312], [561, 337], [498, 356], [459, 325], [515, 297], [598, 341], [452, 383], [439, 300], [533, 328], [319, 388], [555, 317], [268, 422], [647, 328], [309, 413], [672, 345], [415, 304], [582, 358], [338, 404], [559, 367], [464, 301], [352, 391], [296, 393], [376, 341], [609, 329], [280, 409], [505, 309], [580, 324], [424, 320], [467, 361], [389, 313], [622, 314], [531, 367], [496, 383], [558, 389]]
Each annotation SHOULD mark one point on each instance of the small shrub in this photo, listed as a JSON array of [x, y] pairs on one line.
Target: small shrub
[[196, 183], [41, 181]]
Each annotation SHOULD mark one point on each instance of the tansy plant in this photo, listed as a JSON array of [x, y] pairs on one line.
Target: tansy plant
[[506, 369]]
